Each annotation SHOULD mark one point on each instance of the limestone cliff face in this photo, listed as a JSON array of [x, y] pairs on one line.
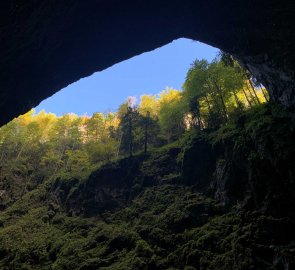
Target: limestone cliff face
[[47, 45], [250, 165], [213, 200], [257, 172], [221, 200], [115, 185]]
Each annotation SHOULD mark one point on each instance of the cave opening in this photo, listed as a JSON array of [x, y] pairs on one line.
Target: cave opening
[[169, 90], [140, 104], [147, 73]]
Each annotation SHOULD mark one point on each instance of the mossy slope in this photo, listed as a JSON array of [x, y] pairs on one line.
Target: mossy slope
[[215, 200]]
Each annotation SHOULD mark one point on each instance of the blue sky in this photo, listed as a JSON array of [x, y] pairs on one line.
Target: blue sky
[[148, 73]]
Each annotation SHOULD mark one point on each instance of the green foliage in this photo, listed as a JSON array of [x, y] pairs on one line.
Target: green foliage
[[218, 91], [167, 225], [34, 147], [156, 121], [171, 114], [146, 215]]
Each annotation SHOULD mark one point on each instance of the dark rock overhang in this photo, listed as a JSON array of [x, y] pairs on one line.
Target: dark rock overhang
[[46, 45]]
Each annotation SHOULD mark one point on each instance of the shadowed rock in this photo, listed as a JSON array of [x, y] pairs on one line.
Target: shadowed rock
[[46, 45]]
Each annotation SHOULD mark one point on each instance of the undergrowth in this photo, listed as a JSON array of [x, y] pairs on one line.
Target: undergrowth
[[169, 225]]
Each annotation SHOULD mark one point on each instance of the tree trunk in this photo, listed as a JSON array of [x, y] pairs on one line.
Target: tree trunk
[[20, 152], [222, 101], [251, 94], [200, 122], [264, 94], [146, 132], [248, 100], [237, 99], [119, 144], [130, 135], [253, 89]]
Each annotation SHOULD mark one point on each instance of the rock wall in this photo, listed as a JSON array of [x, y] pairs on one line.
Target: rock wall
[[46, 45], [251, 165]]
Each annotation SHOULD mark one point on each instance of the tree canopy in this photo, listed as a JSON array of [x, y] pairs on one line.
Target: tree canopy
[[40, 145]]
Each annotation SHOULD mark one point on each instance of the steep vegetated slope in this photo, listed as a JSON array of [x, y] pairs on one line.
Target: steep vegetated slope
[[212, 200]]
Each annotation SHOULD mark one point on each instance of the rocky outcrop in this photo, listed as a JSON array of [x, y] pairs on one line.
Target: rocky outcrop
[[47, 45], [114, 185], [213, 200], [252, 168], [249, 164]]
